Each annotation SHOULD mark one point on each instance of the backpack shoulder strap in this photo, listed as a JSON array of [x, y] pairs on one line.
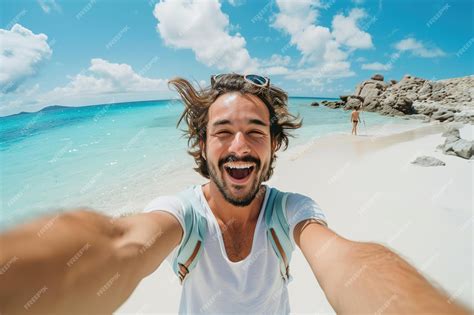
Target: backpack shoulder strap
[[278, 230], [194, 234]]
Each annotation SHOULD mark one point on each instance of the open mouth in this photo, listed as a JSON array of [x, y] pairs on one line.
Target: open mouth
[[239, 172]]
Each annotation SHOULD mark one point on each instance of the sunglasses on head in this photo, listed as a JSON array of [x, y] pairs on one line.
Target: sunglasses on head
[[254, 79]]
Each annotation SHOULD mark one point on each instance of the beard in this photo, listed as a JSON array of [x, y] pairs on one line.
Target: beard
[[216, 175]]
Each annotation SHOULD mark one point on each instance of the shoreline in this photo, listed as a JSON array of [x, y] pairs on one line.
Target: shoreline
[[365, 183]]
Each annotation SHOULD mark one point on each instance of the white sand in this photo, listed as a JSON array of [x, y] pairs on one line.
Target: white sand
[[370, 192]]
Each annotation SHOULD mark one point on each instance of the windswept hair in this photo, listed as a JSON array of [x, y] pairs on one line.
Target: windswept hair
[[196, 108]]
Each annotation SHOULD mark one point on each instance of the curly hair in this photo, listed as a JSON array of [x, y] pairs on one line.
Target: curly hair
[[196, 108]]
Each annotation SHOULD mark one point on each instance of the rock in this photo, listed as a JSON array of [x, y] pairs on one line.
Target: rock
[[463, 148], [454, 145], [333, 104], [452, 131], [466, 116], [437, 86], [425, 89], [390, 101], [370, 90], [428, 161], [442, 115], [344, 97], [439, 95], [358, 88], [368, 85], [412, 96], [444, 100], [404, 105], [360, 98], [371, 104], [314, 104], [353, 103], [422, 117], [424, 109], [388, 110], [377, 77]]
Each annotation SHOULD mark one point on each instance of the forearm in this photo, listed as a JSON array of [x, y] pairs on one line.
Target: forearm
[[374, 279], [65, 264]]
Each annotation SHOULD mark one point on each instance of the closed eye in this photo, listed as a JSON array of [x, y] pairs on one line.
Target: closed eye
[[224, 132], [256, 132]]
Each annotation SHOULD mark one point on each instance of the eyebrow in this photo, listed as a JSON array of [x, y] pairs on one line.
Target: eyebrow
[[250, 121]]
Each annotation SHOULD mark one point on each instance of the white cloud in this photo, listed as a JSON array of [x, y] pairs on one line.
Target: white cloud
[[275, 70], [324, 52], [346, 30], [411, 45], [317, 75], [419, 49], [377, 66], [48, 5], [103, 82], [21, 54], [104, 77], [276, 60], [204, 28], [275, 65], [296, 16]]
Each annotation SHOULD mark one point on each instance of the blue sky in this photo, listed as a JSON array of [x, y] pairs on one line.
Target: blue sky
[[97, 51]]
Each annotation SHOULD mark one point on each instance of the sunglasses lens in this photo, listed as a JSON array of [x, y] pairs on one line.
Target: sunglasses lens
[[257, 79]]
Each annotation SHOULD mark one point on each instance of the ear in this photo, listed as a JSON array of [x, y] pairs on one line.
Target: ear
[[274, 145], [203, 149]]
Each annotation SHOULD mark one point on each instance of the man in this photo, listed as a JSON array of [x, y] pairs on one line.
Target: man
[[88, 263]]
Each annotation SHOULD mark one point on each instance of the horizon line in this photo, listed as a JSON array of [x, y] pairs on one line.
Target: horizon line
[[140, 101]]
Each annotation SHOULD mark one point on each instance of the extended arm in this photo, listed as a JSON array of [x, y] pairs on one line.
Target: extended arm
[[367, 277], [81, 262]]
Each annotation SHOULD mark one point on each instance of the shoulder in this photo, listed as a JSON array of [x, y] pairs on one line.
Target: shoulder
[[171, 202], [300, 207]]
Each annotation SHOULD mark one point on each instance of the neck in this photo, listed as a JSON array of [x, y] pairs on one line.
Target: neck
[[227, 212]]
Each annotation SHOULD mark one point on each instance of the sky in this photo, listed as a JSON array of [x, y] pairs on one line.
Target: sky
[[76, 53]]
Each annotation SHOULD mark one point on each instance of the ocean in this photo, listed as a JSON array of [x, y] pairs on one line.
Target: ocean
[[116, 157]]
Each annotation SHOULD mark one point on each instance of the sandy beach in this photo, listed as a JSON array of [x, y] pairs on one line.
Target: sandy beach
[[369, 191]]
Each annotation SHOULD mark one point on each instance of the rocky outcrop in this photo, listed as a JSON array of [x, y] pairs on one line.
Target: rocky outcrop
[[377, 77], [443, 100], [455, 145], [333, 104], [314, 104], [425, 160]]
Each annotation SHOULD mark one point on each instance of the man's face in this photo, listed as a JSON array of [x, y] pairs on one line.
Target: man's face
[[238, 148]]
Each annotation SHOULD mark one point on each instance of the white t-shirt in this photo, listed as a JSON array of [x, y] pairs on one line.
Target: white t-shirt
[[250, 286]]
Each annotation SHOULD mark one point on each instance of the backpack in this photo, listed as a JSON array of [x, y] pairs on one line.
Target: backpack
[[277, 229]]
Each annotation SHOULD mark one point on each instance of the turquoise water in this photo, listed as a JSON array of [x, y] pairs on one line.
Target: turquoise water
[[111, 156]]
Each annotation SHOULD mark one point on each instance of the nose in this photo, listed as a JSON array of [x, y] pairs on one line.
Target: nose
[[239, 145]]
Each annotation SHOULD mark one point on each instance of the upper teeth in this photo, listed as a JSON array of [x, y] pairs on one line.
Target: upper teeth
[[238, 165]]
